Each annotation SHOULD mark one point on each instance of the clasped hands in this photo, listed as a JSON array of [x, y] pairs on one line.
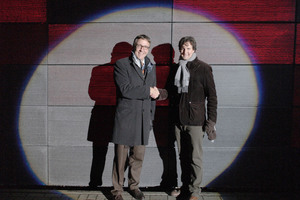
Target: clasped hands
[[154, 92]]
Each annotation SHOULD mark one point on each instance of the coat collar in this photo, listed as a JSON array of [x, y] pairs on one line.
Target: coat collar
[[190, 64], [147, 60], [137, 68]]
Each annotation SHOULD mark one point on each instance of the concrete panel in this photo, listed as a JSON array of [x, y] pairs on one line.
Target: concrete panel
[[234, 126], [35, 93], [69, 165], [33, 125], [215, 44], [68, 85], [154, 14], [236, 85], [37, 158], [94, 42], [215, 161], [222, 10], [68, 126]]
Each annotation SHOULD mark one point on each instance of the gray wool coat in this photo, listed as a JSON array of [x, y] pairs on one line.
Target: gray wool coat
[[135, 109]]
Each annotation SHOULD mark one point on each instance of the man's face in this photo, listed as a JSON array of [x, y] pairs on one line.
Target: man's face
[[142, 49], [186, 51]]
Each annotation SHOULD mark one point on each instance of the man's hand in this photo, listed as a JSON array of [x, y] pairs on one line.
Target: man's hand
[[210, 130], [154, 92]]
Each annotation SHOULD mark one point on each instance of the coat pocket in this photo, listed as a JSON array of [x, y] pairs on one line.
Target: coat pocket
[[197, 112]]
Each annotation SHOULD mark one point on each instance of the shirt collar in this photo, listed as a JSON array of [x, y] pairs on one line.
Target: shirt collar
[[137, 61]]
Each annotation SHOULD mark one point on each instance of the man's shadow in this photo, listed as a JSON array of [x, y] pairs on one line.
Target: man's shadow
[[163, 56], [103, 91]]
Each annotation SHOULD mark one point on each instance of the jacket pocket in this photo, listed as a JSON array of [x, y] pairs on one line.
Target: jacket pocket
[[197, 112]]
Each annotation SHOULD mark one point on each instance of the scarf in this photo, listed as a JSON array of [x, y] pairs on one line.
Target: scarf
[[182, 77]]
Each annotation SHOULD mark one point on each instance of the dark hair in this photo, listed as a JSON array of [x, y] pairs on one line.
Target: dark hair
[[142, 36], [189, 39]]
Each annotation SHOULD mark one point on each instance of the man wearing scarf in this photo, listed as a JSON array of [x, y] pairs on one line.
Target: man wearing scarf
[[193, 99]]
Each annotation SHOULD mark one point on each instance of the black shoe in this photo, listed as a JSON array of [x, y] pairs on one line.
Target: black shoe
[[171, 191], [93, 187], [137, 194], [184, 194], [94, 184], [118, 197]]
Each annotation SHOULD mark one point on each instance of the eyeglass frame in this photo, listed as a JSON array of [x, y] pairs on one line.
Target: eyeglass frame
[[139, 46]]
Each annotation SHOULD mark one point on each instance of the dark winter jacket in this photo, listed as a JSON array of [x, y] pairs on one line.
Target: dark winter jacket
[[200, 103]]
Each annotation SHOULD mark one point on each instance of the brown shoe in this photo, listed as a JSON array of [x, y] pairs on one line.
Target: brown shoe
[[118, 197], [194, 198], [137, 194]]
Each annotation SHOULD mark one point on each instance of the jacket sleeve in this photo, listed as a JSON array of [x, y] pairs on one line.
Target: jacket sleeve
[[211, 95], [153, 102], [124, 85]]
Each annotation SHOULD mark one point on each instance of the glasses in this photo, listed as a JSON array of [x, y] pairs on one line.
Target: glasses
[[139, 46]]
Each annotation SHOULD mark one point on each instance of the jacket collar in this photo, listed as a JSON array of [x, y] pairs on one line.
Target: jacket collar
[[190, 65]]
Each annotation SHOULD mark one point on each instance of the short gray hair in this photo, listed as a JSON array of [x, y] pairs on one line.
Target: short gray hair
[[142, 36]]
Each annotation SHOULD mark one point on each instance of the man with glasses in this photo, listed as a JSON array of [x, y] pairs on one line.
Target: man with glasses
[[135, 79]]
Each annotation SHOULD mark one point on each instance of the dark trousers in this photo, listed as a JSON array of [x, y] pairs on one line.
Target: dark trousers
[[189, 141]]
